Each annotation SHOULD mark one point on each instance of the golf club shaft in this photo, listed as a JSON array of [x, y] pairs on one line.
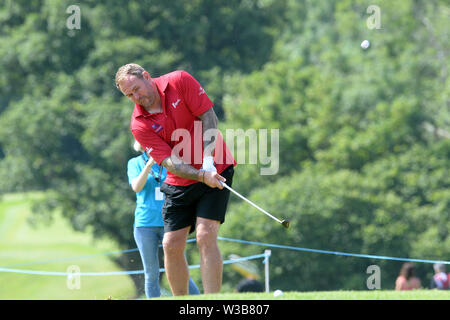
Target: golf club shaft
[[257, 207]]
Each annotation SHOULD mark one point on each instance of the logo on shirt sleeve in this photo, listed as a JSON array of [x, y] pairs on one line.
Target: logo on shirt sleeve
[[157, 127], [148, 150], [202, 91]]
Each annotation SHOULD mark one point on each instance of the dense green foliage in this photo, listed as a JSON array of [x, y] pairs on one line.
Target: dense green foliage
[[364, 149]]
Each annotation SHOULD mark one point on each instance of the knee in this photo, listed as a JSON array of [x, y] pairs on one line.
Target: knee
[[206, 238], [173, 245]]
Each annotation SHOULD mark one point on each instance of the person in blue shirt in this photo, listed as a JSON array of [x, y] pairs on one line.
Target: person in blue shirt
[[145, 177]]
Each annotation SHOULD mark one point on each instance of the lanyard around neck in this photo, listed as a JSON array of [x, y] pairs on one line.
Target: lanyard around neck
[[158, 177]]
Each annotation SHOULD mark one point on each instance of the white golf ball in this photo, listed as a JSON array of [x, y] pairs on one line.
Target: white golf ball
[[365, 44], [277, 293]]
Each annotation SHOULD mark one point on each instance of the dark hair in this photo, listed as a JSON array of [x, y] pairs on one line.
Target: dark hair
[[250, 285], [408, 271]]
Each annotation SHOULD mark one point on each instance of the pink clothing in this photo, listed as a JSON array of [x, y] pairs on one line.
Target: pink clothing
[[403, 284], [442, 280]]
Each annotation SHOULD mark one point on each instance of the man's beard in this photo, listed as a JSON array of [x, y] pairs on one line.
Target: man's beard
[[146, 101]]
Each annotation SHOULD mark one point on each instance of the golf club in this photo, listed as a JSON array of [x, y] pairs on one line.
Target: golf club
[[285, 223]]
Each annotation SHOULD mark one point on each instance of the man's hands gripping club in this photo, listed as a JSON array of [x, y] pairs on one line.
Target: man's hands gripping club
[[210, 132], [210, 175]]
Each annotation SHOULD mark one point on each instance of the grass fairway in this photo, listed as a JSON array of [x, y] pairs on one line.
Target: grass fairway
[[21, 244], [327, 295]]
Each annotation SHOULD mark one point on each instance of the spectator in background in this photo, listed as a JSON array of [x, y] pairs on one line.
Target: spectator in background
[[145, 177], [250, 285], [407, 279], [440, 280]]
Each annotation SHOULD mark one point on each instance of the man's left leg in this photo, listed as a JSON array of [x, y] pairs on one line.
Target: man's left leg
[[211, 259]]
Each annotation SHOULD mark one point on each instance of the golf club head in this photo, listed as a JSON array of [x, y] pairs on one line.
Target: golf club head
[[285, 223]]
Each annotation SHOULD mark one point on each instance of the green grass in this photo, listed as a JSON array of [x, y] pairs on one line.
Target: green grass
[[20, 243], [327, 295]]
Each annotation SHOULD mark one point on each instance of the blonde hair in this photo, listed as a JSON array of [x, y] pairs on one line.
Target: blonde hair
[[128, 69], [137, 146]]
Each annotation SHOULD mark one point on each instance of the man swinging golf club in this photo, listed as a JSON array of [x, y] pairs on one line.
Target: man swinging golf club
[[168, 111]]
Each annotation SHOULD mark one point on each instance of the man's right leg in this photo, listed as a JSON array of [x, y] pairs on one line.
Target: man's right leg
[[177, 272]]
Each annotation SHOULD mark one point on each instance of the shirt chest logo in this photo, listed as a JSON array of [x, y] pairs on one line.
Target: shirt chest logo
[[175, 104]]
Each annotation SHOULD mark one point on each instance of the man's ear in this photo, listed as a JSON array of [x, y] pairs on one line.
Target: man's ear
[[146, 75]]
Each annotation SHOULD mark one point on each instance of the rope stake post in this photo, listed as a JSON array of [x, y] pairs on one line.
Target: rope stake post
[[267, 254]]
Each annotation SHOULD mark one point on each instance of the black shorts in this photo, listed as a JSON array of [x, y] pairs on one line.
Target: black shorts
[[183, 204]]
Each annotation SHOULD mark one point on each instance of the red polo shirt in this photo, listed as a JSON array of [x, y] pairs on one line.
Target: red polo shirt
[[177, 129]]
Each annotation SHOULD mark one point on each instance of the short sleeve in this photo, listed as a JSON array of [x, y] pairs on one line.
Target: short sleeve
[[133, 170], [153, 144], [195, 97]]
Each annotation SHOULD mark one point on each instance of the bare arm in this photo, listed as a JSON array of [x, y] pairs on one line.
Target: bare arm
[[209, 121], [183, 170], [138, 183]]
